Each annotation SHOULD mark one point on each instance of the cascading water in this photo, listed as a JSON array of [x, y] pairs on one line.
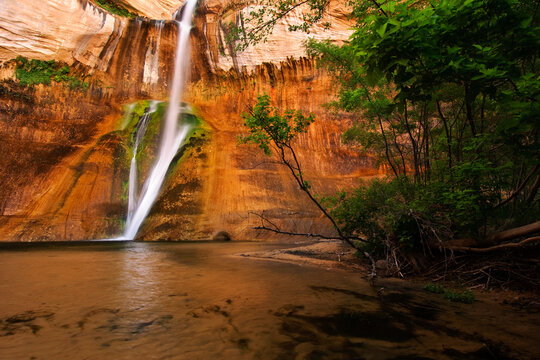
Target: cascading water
[[141, 130], [173, 135]]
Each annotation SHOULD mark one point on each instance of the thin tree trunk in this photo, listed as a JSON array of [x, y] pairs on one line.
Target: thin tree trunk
[[534, 190], [468, 110], [448, 134], [413, 143]]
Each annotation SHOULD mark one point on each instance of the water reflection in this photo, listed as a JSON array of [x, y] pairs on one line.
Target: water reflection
[[139, 277], [198, 301]]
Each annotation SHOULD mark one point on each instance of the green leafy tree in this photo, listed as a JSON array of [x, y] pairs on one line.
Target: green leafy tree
[[257, 23], [272, 131], [448, 92], [446, 95]]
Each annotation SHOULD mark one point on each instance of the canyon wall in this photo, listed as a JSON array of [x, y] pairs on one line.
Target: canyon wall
[[65, 167]]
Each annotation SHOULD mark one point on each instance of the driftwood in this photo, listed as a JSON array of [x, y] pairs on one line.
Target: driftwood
[[513, 233], [494, 241], [493, 248], [277, 231]]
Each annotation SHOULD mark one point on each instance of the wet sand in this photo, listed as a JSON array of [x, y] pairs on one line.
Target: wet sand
[[211, 301]]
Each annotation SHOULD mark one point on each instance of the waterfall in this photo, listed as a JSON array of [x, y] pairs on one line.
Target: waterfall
[[172, 134], [141, 130]]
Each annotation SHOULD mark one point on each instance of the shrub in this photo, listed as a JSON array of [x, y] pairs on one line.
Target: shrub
[[31, 72], [114, 8]]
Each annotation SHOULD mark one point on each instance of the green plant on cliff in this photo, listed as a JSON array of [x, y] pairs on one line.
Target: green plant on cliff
[[115, 8], [31, 72]]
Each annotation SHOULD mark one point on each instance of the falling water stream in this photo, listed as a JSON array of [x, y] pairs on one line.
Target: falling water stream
[[141, 131], [173, 135]]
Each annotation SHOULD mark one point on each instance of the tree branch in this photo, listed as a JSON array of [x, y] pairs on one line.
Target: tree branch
[[518, 190], [262, 227], [493, 248], [299, 180], [277, 230], [514, 233]]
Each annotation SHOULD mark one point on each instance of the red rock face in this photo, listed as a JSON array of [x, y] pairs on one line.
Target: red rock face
[[65, 163]]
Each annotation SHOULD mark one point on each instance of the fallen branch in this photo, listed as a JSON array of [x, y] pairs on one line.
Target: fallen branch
[[514, 233], [277, 231], [493, 248]]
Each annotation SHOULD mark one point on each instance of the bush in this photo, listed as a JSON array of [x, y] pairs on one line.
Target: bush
[[114, 8], [31, 72]]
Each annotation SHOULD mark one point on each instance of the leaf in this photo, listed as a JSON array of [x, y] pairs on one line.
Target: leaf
[[382, 30]]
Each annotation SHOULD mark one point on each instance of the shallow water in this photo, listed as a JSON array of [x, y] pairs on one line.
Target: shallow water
[[200, 301]]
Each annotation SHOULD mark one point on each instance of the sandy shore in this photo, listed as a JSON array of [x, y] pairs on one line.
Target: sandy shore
[[329, 254]]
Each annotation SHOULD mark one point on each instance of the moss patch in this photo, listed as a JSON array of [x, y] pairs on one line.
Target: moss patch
[[31, 72], [115, 8]]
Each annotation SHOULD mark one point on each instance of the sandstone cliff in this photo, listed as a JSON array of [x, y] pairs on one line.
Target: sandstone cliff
[[64, 168]]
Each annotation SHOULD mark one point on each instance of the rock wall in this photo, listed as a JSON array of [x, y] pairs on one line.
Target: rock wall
[[226, 186], [63, 171], [65, 30]]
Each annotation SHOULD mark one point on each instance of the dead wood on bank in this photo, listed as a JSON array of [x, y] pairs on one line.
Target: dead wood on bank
[[515, 267], [496, 240]]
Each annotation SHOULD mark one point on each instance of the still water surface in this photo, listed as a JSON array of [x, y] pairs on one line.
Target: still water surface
[[201, 301]]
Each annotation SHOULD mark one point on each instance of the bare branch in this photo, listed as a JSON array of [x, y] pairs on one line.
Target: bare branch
[[277, 230], [518, 190], [493, 248], [262, 227]]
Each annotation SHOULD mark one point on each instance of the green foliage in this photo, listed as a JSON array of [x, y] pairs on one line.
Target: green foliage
[[267, 127], [447, 97], [114, 8], [34, 72], [258, 22], [378, 211], [434, 288], [465, 297]]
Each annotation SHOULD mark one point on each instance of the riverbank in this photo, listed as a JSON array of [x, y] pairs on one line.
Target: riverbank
[[334, 254], [328, 254]]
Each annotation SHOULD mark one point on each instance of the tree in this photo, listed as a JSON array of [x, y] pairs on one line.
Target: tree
[[258, 21], [446, 94], [270, 130], [449, 94]]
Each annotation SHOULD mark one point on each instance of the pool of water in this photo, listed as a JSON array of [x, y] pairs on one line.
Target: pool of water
[[203, 301]]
